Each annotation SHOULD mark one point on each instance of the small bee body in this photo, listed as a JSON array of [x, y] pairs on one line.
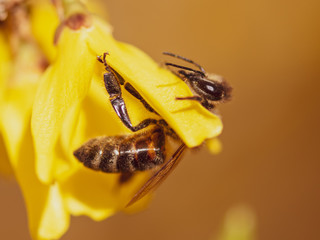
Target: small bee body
[[125, 154], [210, 90]]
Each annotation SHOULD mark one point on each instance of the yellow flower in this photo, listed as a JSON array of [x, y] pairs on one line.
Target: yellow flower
[[47, 114]]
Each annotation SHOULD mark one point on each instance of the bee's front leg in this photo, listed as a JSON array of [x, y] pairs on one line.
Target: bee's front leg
[[115, 96]]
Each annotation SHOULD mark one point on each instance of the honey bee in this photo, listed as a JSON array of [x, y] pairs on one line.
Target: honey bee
[[209, 90], [145, 149], [127, 154]]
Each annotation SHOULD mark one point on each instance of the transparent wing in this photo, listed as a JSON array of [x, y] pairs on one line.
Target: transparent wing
[[159, 176]]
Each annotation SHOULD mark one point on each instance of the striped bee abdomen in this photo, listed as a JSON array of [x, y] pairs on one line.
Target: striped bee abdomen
[[130, 153]]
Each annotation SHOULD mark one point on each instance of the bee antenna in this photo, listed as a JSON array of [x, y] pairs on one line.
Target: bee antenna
[[185, 68], [185, 59]]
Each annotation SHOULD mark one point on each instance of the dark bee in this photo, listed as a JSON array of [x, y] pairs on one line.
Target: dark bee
[[122, 154], [210, 91], [113, 82], [127, 154], [146, 150]]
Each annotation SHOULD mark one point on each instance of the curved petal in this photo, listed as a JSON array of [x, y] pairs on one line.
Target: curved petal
[[88, 192], [15, 118], [44, 203], [98, 195], [5, 63], [44, 21], [64, 84], [55, 219], [48, 217], [5, 68]]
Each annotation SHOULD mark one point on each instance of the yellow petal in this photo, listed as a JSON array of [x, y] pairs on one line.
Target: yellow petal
[[55, 219], [44, 203], [5, 68], [47, 216], [97, 194], [64, 84], [18, 95], [87, 192], [5, 63], [44, 22], [158, 86], [15, 117]]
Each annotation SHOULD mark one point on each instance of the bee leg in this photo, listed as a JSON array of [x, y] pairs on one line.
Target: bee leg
[[102, 59], [137, 95], [201, 100], [115, 95], [195, 98], [125, 177], [185, 68]]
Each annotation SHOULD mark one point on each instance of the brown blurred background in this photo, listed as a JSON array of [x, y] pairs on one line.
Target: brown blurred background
[[269, 51]]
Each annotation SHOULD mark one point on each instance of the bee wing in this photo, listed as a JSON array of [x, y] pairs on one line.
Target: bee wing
[[159, 176]]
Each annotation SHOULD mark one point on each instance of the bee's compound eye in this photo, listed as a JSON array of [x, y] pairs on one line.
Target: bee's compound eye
[[212, 90]]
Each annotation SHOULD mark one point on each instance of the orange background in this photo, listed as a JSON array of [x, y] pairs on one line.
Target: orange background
[[269, 51]]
